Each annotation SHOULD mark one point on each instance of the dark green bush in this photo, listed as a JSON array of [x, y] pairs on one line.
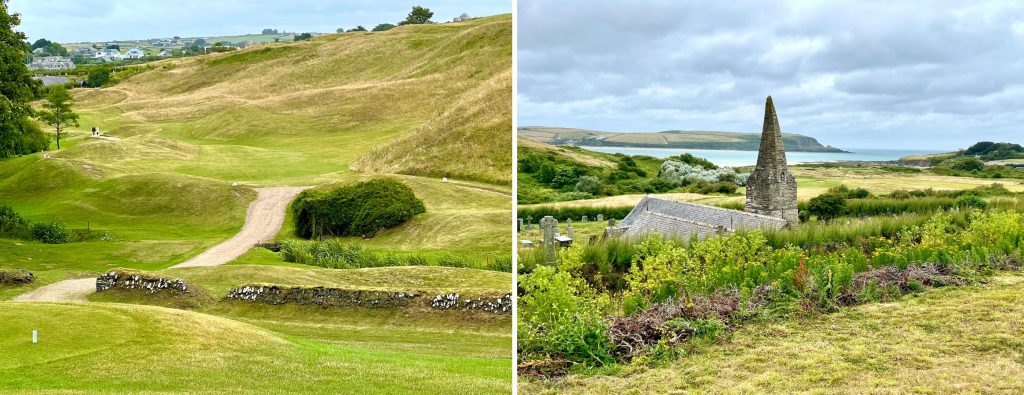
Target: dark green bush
[[13, 225], [827, 205], [971, 201], [360, 209], [51, 233]]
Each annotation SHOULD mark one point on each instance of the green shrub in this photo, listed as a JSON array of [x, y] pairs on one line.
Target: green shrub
[[360, 209], [963, 163], [827, 205], [972, 201], [51, 233], [561, 318], [13, 225]]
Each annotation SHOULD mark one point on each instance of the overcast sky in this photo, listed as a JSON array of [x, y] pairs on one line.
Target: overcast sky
[[857, 74], [107, 20]]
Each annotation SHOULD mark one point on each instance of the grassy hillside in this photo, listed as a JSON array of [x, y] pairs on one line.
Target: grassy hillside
[[312, 108], [693, 139], [909, 346]]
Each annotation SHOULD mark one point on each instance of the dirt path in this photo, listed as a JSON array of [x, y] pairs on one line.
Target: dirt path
[[262, 222]]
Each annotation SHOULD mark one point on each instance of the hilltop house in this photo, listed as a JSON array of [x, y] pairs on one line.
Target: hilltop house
[[51, 63], [771, 199], [134, 53], [461, 18], [108, 55]]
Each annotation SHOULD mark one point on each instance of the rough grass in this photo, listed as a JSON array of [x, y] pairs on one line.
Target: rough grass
[[948, 340]]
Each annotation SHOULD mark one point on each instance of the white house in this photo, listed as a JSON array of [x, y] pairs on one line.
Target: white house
[[134, 53]]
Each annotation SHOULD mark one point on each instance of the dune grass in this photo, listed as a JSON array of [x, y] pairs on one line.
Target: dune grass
[[946, 340]]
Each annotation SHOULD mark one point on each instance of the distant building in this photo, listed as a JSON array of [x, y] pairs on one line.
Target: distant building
[[108, 55], [461, 18], [771, 199], [51, 63], [134, 53], [51, 80], [165, 53], [85, 52]]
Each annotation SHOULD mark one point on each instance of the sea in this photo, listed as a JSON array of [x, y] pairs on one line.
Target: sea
[[749, 158]]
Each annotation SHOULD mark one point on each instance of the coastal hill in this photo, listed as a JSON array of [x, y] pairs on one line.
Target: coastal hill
[[690, 139]]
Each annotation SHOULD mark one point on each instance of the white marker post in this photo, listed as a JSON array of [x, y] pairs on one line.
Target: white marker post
[[35, 336]]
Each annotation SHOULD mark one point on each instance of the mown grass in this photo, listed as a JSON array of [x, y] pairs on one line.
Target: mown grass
[[101, 347], [909, 346]]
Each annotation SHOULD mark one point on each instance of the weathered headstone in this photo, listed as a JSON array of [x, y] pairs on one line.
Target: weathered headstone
[[584, 219], [519, 225], [611, 223], [570, 231], [600, 218], [549, 225]]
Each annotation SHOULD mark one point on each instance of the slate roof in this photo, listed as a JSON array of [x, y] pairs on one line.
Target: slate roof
[[680, 219]]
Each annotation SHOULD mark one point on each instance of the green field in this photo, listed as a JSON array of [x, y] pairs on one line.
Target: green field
[[190, 139]]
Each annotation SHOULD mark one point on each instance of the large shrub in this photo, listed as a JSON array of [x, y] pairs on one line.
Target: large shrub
[[360, 209], [13, 225], [827, 205], [51, 233]]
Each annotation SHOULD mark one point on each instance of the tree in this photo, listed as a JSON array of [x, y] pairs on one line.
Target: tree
[[269, 31], [199, 42], [58, 113], [340, 30], [17, 134], [359, 28], [303, 37], [827, 205], [41, 43], [114, 46], [418, 16], [383, 27], [99, 76]]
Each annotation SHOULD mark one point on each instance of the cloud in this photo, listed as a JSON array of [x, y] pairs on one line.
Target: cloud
[[858, 74]]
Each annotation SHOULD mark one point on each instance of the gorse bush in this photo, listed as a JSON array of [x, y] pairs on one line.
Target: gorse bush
[[360, 209], [51, 233], [337, 254]]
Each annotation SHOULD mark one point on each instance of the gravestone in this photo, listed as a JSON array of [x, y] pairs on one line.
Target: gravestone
[[584, 219], [611, 223], [600, 218], [519, 225], [570, 232], [549, 225]]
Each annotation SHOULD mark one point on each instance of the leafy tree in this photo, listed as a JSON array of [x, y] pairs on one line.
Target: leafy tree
[[199, 42], [589, 184], [340, 30], [418, 16], [303, 37], [827, 205], [16, 89], [58, 113], [99, 76], [41, 43], [359, 28], [269, 31], [114, 46], [383, 27]]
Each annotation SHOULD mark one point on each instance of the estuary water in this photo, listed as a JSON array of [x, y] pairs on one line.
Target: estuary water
[[749, 158]]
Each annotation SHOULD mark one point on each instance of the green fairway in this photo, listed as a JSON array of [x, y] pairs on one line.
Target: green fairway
[[101, 347]]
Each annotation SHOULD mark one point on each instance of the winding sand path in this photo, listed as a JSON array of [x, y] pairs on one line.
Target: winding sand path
[[262, 222]]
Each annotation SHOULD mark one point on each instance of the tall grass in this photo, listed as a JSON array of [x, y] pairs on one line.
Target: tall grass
[[336, 254], [574, 213]]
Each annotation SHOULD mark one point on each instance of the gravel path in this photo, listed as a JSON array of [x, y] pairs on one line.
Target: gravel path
[[63, 291], [262, 222]]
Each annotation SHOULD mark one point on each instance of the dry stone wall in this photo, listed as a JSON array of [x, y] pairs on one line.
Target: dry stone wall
[[125, 280], [16, 276], [336, 297]]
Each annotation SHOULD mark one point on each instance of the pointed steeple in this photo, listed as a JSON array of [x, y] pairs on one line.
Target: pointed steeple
[[772, 153], [771, 188]]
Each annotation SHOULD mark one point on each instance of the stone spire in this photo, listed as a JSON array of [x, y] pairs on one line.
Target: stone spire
[[771, 188]]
